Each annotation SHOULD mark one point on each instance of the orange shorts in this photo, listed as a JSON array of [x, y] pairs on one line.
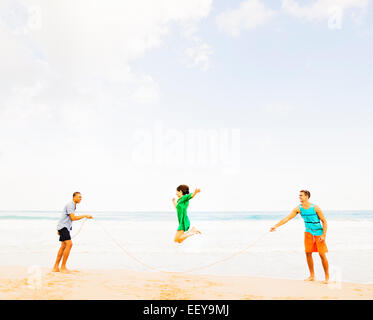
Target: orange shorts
[[312, 244]]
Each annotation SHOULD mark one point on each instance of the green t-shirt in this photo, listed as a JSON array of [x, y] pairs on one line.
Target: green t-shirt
[[181, 207]]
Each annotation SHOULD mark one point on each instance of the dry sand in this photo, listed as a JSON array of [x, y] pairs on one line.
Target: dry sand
[[17, 283]]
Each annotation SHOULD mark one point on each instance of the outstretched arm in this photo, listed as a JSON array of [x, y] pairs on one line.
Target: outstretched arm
[[195, 192], [188, 197], [286, 219], [324, 223], [74, 217]]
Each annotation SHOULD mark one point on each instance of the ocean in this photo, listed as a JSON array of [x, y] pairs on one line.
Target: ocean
[[29, 238]]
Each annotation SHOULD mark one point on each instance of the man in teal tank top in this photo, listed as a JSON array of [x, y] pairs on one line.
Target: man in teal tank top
[[315, 233]]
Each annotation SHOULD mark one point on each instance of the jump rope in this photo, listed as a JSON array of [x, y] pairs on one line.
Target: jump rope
[[139, 261]]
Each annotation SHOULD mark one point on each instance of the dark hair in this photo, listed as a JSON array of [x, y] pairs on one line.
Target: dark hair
[[75, 194], [307, 193], [183, 188]]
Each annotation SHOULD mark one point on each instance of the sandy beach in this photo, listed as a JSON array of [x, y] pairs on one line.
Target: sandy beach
[[20, 283]]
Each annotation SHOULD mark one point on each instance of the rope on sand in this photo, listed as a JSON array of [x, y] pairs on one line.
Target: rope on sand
[[185, 271], [125, 250]]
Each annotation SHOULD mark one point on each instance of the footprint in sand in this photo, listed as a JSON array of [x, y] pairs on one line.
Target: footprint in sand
[[211, 283]]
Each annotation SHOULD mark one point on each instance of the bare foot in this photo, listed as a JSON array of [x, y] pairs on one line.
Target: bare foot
[[65, 270], [310, 278], [326, 281], [194, 230], [55, 269]]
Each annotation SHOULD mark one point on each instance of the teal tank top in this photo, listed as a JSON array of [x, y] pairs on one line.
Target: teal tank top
[[311, 220]]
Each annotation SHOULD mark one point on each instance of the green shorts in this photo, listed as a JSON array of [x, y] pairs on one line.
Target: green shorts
[[184, 222], [182, 227]]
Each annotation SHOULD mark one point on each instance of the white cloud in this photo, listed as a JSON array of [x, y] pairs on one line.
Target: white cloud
[[146, 92], [80, 52], [69, 90], [199, 55], [331, 10], [249, 15]]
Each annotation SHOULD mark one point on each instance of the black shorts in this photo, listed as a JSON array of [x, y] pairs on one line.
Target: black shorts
[[64, 234]]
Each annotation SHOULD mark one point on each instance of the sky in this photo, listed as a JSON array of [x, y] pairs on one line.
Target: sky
[[251, 101]]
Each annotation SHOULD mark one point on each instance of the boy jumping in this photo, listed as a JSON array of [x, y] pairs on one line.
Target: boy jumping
[[183, 232]]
